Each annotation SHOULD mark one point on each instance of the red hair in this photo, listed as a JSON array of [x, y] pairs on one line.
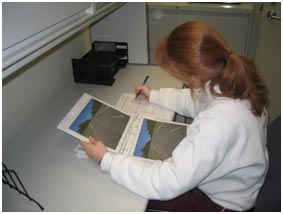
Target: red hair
[[195, 50]]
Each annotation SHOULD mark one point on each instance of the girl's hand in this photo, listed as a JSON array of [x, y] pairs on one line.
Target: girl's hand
[[145, 92], [94, 149]]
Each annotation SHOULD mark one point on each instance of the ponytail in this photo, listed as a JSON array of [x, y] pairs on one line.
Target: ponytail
[[240, 79]]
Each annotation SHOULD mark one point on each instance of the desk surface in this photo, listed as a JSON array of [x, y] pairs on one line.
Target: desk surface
[[44, 159]]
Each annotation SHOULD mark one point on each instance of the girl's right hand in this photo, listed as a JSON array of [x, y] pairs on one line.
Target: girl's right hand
[[145, 92]]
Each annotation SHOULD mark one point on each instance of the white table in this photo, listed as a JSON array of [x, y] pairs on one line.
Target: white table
[[51, 172]]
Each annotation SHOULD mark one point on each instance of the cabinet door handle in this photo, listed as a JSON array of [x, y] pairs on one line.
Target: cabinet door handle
[[272, 15]]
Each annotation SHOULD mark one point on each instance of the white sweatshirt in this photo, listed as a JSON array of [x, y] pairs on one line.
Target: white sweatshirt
[[224, 153]]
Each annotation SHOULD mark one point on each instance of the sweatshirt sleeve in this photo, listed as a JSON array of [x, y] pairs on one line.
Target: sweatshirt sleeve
[[191, 162], [178, 100]]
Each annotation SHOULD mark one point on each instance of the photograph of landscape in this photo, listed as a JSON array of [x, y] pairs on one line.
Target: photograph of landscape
[[101, 122], [157, 140]]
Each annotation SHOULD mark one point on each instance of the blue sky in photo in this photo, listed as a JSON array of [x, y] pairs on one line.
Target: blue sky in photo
[[83, 116], [144, 137]]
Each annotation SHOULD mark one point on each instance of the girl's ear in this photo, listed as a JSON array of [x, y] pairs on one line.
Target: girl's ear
[[194, 82]]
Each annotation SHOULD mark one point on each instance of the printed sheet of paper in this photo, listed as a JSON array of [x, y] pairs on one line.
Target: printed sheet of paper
[[129, 104]]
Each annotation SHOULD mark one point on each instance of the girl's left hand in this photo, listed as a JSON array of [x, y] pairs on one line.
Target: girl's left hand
[[94, 149]]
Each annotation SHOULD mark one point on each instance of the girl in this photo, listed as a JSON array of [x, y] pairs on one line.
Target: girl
[[222, 162]]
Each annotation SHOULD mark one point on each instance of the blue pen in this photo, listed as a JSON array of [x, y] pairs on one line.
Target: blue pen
[[144, 82]]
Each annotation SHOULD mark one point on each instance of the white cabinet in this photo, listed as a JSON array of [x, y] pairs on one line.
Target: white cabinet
[[232, 21], [32, 28], [22, 20]]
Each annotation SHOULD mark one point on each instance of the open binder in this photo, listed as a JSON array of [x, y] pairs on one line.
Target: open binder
[[121, 132]]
